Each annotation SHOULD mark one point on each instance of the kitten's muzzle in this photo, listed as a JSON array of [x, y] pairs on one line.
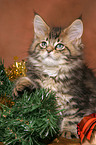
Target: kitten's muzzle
[[49, 49]]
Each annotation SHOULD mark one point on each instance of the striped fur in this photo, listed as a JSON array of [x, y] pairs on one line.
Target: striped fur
[[58, 64]]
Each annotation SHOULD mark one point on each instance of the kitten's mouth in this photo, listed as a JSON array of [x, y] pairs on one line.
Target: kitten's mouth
[[49, 56], [49, 61]]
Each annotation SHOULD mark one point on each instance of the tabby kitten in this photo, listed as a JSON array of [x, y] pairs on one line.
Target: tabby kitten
[[56, 62]]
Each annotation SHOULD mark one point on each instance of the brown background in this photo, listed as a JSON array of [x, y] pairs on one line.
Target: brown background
[[16, 24]]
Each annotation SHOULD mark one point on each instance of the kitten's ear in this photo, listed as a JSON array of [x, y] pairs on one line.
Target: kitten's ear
[[75, 30], [40, 27]]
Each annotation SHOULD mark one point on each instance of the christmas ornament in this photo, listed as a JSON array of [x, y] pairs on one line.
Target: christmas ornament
[[16, 70], [86, 127]]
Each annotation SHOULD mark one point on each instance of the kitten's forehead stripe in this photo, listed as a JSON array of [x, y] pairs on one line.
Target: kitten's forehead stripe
[[55, 32], [46, 39], [58, 40]]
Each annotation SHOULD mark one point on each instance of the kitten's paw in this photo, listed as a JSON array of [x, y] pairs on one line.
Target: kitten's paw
[[24, 83], [68, 135]]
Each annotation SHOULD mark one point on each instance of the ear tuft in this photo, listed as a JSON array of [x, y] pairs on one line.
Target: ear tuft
[[75, 30], [40, 27]]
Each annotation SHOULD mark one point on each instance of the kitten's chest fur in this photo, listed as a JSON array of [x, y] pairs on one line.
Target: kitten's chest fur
[[50, 83], [57, 85]]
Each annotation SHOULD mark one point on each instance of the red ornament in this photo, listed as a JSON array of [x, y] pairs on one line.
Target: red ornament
[[86, 126]]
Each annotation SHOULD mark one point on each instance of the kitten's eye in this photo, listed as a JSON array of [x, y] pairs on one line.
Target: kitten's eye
[[60, 46], [43, 44]]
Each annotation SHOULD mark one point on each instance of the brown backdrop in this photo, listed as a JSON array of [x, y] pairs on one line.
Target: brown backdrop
[[16, 27]]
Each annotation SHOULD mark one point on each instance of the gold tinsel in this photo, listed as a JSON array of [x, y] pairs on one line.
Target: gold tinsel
[[16, 70], [13, 72]]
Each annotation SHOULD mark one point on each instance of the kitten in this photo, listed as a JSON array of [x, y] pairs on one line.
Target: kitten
[[56, 62]]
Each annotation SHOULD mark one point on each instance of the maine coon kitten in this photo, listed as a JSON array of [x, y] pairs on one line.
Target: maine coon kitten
[[56, 62]]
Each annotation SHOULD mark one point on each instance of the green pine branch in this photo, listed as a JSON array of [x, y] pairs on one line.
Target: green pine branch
[[33, 120]]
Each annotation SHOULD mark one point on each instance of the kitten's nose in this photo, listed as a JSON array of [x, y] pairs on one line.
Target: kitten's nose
[[49, 49]]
